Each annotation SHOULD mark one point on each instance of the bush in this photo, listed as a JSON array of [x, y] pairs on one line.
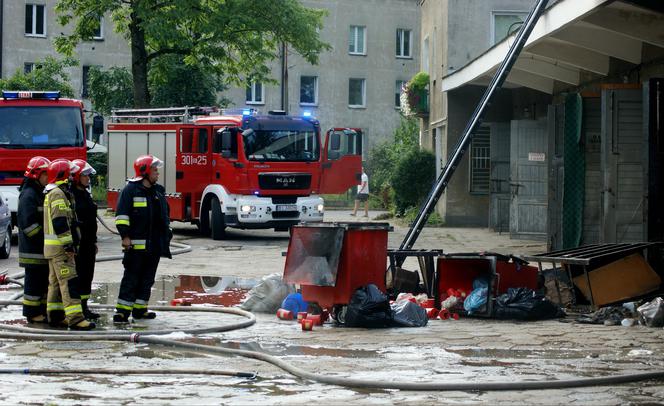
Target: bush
[[412, 179], [434, 218], [419, 81]]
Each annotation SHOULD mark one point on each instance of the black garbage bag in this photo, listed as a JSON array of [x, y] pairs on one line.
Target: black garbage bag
[[369, 308], [525, 304], [408, 314]]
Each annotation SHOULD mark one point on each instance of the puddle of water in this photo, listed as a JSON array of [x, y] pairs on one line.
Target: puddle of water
[[282, 349], [511, 354], [226, 291]]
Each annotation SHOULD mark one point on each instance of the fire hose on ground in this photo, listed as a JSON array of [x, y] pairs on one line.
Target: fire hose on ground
[[152, 337]]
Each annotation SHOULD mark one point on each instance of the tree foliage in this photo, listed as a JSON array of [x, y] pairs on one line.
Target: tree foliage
[[110, 89], [412, 179], [233, 38], [48, 74], [384, 157]]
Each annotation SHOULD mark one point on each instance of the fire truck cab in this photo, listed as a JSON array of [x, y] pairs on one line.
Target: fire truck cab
[[36, 123], [243, 171]]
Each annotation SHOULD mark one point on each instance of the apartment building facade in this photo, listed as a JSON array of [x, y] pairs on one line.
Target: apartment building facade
[[375, 50]]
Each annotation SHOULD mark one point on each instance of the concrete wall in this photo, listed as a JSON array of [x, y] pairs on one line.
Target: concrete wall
[[379, 67], [470, 27], [17, 48]]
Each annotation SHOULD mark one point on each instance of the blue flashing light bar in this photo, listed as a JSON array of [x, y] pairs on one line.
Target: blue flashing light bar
[[246, 112], [306, 114], [14, 94]]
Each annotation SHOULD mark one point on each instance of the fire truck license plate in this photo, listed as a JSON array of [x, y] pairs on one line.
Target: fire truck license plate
[[286, 207]]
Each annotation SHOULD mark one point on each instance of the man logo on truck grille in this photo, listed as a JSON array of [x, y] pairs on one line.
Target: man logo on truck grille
[[285, 180]]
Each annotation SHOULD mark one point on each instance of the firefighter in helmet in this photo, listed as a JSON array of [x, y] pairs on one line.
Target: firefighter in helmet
[[86, 214], [64, 300], [143, 222], [31, 239]]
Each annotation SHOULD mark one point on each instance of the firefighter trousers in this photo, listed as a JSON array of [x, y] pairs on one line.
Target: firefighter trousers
[[64, 298], [140, 268], [85, 269], [35, 288]]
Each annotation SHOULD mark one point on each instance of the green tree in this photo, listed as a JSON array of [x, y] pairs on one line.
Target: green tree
[[168, 89], [48, 74], [234, 38], [110, 89], [383, 158], [412, 179]]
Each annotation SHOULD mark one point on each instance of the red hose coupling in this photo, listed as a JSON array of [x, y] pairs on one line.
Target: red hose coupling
[[3, 279]]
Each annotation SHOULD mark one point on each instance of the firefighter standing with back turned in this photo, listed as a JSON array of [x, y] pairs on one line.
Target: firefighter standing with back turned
[[143, 222], [31, 239], [86, 214], [60, 248]]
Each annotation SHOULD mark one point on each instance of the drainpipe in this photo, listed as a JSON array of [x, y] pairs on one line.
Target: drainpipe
[[2, 45]]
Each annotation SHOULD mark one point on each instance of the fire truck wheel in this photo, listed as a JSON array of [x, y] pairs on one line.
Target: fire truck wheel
[[6, 248], [218, 225]]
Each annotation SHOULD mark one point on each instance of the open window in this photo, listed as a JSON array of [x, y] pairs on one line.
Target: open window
[[342, 163], [225, 142]]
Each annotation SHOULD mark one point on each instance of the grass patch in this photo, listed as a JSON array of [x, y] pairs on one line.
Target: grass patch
[[411, 214]]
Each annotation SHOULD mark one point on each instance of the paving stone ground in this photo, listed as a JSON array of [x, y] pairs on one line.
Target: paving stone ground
[[468, 350]]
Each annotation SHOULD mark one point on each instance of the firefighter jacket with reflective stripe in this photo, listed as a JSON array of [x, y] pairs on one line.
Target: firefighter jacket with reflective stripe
[[86, 214], [31, 224], [134, 218], [59, 216]]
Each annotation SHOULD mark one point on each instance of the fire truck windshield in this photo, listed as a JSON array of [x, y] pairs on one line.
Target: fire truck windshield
[[28, 127], [281, 145]]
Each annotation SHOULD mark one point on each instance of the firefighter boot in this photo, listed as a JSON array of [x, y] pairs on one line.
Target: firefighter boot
[[38, 319], [144, 315], [86, 311], [83, 325], [120, 318]]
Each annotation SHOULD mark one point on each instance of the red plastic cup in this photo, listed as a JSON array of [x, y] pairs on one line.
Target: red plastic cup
[[307, 324], [316, 319], [429, 303], [432, 312], [301, 316], [284, 314], [182, 302]]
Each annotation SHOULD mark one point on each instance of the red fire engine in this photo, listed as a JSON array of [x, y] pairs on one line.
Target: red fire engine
[[243, 171], [36, 123]]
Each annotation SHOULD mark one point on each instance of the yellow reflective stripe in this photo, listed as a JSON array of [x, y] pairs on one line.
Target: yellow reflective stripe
[[55, 306], [32, 261], [140, 306], [121, 222], [60, 182], [34, 232], [85, 297], [28, 302], [140, 204], [52, 242], [123, 307], [67, 239], [73, 309], [139, 246], [32, 229]]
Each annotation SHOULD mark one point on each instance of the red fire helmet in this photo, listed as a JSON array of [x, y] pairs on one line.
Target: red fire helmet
[[143, 166], [36, 166], [85, 169]]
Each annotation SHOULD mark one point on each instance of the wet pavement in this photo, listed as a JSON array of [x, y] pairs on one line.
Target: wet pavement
[[220, 272]]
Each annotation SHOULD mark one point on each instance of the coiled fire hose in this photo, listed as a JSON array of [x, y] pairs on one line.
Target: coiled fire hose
[[152, 337]]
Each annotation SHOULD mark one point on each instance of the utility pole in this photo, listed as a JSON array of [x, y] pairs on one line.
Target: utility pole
[[284, 77]]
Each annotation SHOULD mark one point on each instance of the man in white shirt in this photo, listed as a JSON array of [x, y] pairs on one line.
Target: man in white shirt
[[362, 195]]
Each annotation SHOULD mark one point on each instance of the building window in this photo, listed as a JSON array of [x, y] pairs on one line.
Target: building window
[[357, 40], [356, 93], [398, 90], [308, 90], [403, 43], [99, 31], [480, 161], [35, 20], [506, 23], [255, 93], [425, 55], [29, 67]]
